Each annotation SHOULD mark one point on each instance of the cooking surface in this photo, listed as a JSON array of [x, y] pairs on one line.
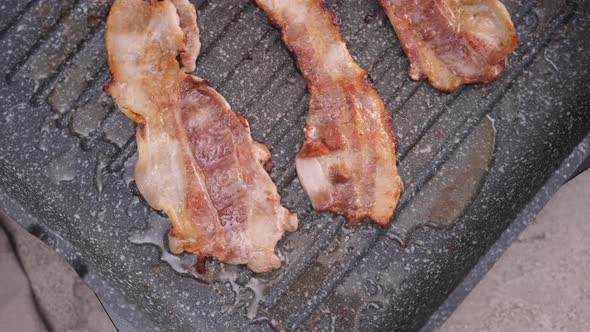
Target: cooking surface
[[477, 155]]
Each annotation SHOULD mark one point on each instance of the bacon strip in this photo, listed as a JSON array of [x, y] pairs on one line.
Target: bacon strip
[[187, 15], [197, 160], [453, 42], [347, 164]]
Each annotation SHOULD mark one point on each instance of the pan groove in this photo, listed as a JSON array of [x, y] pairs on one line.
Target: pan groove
[[17, 18], [225, 29], [49, 83], [17, 66], [441, 157]]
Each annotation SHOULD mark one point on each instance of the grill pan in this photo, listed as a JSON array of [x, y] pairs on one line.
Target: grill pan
[[472, 161]]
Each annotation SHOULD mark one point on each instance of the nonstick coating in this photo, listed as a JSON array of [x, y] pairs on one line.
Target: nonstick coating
[[476, 157]]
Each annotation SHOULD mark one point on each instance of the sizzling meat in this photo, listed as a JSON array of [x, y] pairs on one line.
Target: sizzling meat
[[197, 160], [347, 164], [452, 42]]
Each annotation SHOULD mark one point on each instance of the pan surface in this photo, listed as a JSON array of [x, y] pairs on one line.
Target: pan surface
[[471, 161]]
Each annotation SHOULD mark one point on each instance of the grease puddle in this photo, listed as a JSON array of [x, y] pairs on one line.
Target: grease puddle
[[446, 197], [240, 290], [155, 234]]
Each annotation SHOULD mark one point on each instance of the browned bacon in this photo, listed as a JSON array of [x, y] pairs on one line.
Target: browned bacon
[[197, 160], [347, 164], [452, 42], [187, 14]]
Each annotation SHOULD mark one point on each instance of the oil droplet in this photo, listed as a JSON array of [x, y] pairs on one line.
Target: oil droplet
[[258, 289], [118, 129], [229, 275], [132, 205], [100, 171], [101, 214], [64, 167], [87, 118], [129, 169], [45, 129]]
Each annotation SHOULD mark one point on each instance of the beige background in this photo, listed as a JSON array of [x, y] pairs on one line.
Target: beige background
[[542, 282]]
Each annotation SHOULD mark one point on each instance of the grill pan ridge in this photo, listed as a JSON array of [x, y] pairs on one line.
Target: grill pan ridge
[[66, 157]]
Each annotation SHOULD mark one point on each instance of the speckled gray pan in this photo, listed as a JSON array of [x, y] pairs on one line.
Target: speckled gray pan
[[471, 161]]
